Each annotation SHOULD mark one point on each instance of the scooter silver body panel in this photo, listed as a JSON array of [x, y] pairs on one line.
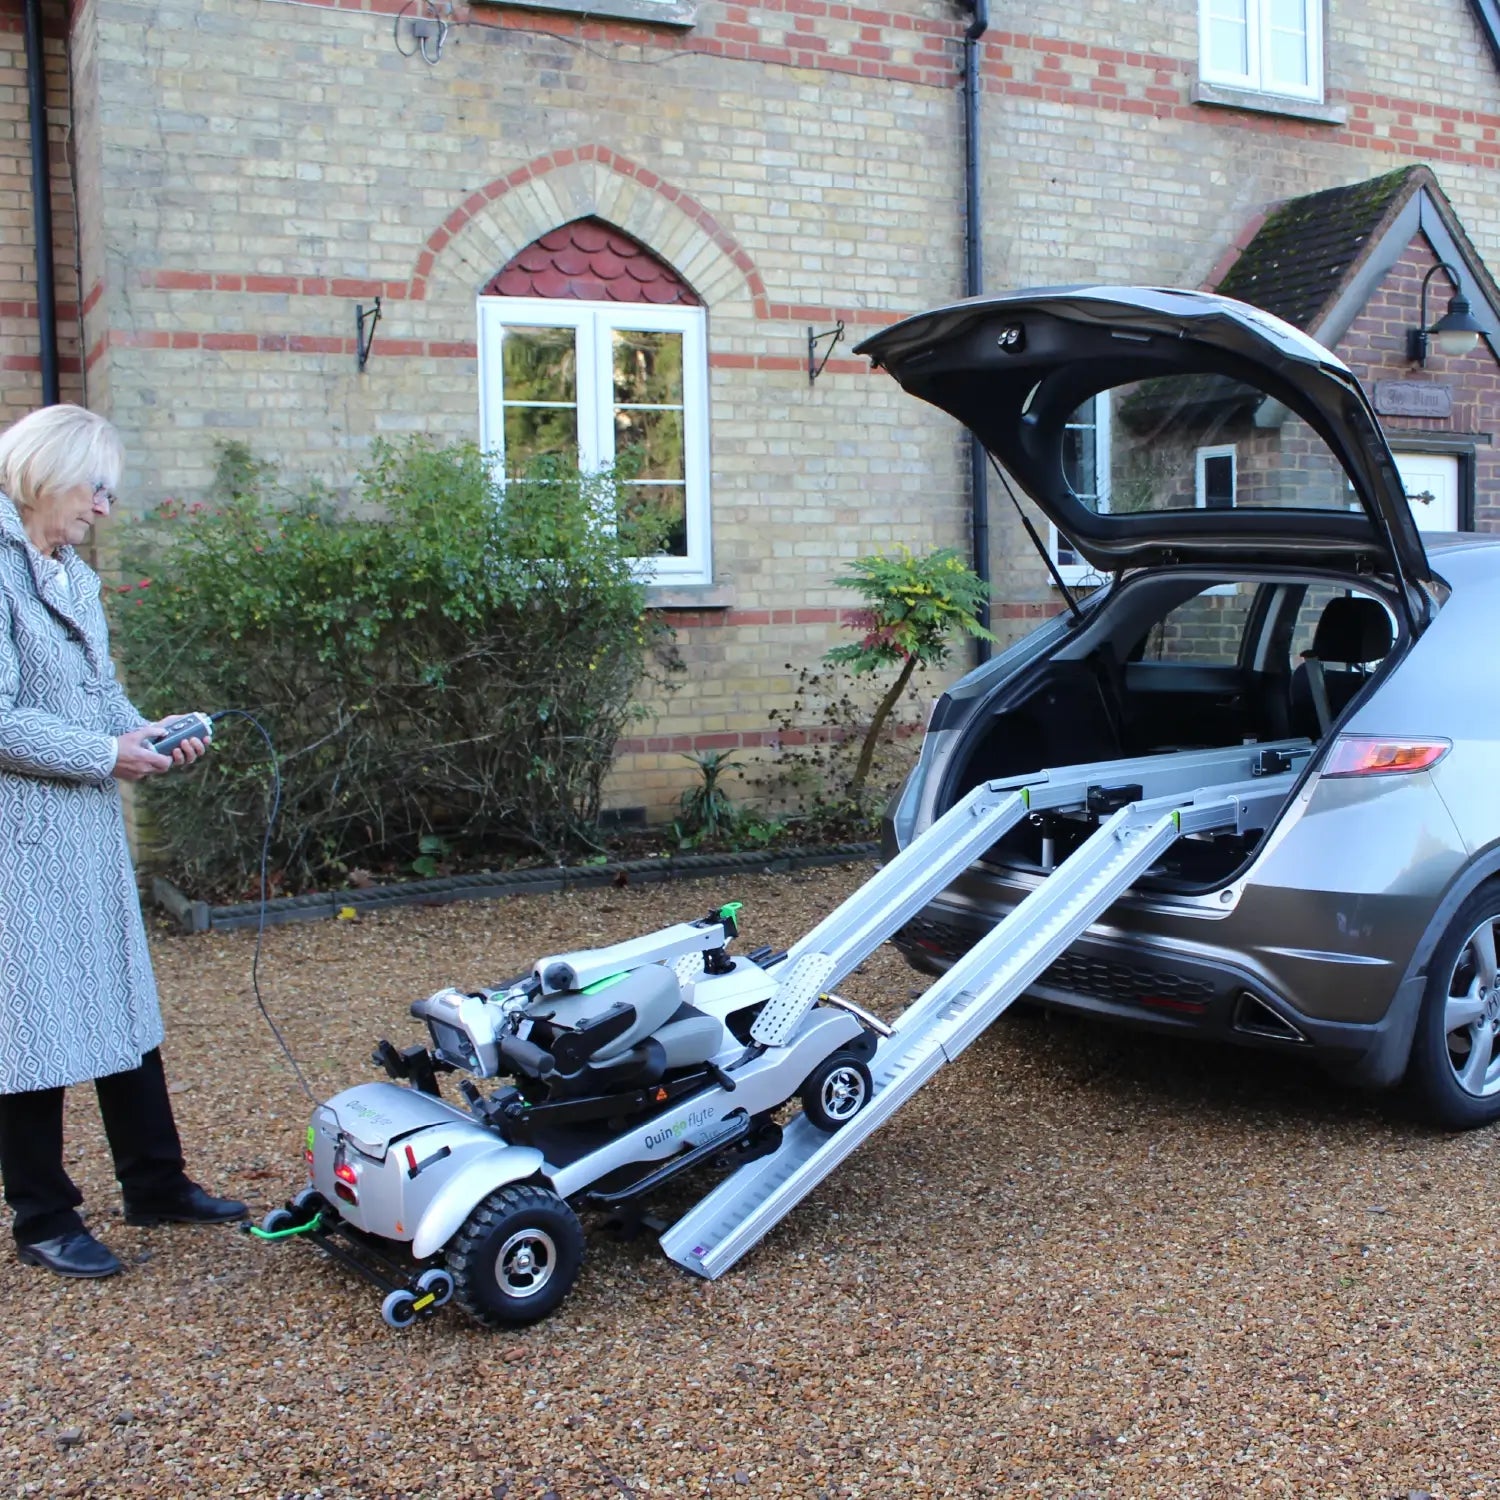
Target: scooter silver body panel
[[419, 1165]]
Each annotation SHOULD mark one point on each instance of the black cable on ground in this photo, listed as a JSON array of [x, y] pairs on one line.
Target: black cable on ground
[[265, 855]]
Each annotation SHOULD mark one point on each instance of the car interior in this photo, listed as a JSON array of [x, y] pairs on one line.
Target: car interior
[[1173, 663]]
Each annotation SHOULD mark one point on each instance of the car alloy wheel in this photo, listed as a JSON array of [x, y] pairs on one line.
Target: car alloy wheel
[[1471, 1014], [1455, 1055]]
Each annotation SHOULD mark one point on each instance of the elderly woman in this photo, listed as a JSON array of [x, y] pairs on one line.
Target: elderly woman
[[77, 996]]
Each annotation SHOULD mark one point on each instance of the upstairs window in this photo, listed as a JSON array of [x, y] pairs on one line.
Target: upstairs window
[[592, 349], [1263, 46]]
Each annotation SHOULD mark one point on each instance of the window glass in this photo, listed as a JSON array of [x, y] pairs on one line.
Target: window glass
[[1310, 611], [1086, 469], [1209, 630], [650, 431], [1273, 46], [1227, 25], [1159, 431], [541, 393], [603, 384], [1216, 487]]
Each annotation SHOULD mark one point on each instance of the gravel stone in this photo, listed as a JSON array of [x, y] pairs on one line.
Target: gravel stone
[[1081, 1262]]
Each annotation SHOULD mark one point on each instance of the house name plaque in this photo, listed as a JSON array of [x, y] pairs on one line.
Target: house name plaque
[[1411, 398]]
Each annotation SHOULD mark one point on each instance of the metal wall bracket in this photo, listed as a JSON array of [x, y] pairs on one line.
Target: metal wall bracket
[[363, 341], [814, 364]]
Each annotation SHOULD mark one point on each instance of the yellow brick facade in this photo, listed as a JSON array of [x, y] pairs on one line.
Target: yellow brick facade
[[251, 170]]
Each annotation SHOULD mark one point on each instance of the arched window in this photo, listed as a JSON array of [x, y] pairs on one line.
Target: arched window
[[592, 347]]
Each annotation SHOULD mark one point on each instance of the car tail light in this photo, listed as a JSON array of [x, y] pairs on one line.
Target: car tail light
[[1368, 755]]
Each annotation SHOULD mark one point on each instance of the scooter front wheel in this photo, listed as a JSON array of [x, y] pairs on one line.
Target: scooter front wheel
[[516, 1257], [399, 1309]]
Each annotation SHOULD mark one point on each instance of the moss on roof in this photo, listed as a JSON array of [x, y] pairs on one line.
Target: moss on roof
[[1301, 255]]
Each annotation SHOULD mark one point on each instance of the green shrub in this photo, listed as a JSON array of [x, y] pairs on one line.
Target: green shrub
[[914, 608], [439, 669]]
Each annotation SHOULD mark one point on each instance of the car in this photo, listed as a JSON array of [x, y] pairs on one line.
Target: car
[[1257, 577]]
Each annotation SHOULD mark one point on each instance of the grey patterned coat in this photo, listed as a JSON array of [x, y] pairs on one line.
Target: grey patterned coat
[[77, 996]]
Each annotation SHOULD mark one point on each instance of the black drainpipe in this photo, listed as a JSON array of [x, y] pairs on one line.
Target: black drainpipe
[[41, 201], [973, 286]]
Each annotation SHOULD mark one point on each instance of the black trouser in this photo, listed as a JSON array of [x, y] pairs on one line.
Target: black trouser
[[142, 1138]]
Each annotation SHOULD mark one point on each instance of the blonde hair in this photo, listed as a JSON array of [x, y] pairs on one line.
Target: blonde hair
[[56, 448]]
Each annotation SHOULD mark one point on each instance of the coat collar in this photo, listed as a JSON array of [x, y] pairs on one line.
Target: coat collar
[[63, 602]]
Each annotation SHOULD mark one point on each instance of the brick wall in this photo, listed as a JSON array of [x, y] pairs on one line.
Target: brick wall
[[251, 170], [20, 361], [1375, 348]]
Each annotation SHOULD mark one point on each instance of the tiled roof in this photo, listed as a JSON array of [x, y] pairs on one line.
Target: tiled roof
[[1307, 247], [593, 262]]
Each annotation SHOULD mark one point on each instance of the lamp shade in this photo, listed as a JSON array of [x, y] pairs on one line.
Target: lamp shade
[[1458, 330]]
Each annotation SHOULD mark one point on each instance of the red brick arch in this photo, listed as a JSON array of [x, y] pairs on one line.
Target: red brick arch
[[478, 200]]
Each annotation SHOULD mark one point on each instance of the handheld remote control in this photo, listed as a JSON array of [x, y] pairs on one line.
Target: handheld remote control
[[187, 727]]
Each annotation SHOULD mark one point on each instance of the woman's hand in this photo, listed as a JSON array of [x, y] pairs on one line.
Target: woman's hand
[[134, 757], [189, 750]]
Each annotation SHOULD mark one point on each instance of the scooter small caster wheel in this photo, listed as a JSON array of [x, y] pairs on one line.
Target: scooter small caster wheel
[[438, 1284], [399, 1308], [308, 1202], [277, 1220]]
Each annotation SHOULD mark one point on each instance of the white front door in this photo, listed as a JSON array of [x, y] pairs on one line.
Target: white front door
[[1431, 481]]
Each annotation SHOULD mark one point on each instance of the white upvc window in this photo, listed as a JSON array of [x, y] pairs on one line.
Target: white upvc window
[[1266, 46], [1215, 478], [593, 381], [1086, 469]]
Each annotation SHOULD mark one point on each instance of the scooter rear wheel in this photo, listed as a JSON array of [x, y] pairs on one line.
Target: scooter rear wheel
[[836, 1091], [516, 1257]]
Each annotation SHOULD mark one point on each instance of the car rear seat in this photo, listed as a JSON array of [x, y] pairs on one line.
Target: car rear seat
[[1353, 632]]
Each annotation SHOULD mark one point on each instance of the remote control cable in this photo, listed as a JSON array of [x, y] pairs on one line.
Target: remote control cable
[[265, 855]]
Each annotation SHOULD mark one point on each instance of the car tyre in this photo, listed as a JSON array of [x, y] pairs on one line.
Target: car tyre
[[516, 1257], [1455, 1058]]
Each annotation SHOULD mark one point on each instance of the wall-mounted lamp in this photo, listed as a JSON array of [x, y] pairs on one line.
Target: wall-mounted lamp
[[1456, 332]]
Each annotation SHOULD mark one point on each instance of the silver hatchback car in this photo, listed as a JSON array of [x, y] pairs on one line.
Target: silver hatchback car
[[1222, 483]]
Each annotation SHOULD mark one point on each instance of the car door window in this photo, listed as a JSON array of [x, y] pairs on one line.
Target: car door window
[[1206, 630]]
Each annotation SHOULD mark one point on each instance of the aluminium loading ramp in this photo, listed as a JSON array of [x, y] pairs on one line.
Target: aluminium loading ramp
[[962, 1002]]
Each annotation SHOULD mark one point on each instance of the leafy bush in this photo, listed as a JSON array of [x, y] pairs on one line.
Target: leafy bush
[[914, 607], [709, 817], [440, 670]]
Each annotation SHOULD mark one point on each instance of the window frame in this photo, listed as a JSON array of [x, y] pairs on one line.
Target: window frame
[[1083, 571], [1201, 457], [593, 322], [1256, 79]]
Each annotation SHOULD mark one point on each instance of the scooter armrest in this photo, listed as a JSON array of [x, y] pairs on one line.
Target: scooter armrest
[[527, 1056]]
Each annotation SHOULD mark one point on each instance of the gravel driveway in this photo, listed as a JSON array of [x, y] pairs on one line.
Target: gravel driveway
[[1078, 1263]]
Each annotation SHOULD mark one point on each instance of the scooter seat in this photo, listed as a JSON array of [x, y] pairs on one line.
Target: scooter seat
[[651, 992], [690, 1037]]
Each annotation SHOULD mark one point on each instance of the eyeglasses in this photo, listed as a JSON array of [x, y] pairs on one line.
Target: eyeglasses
[[100, 488]]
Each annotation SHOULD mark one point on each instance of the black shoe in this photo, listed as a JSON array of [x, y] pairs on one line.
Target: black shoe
[[76, 1253], [190, 1206]]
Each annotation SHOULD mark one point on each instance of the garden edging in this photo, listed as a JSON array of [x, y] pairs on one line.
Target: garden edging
[[200, 916]]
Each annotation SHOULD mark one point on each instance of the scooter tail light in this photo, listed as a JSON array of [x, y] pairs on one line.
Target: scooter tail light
[[1369, 755], [345, 1173]]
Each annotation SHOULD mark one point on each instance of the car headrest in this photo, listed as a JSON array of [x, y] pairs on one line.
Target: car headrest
[[1352, 629]]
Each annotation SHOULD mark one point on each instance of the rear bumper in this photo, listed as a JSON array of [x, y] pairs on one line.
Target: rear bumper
[[1172, 992]]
